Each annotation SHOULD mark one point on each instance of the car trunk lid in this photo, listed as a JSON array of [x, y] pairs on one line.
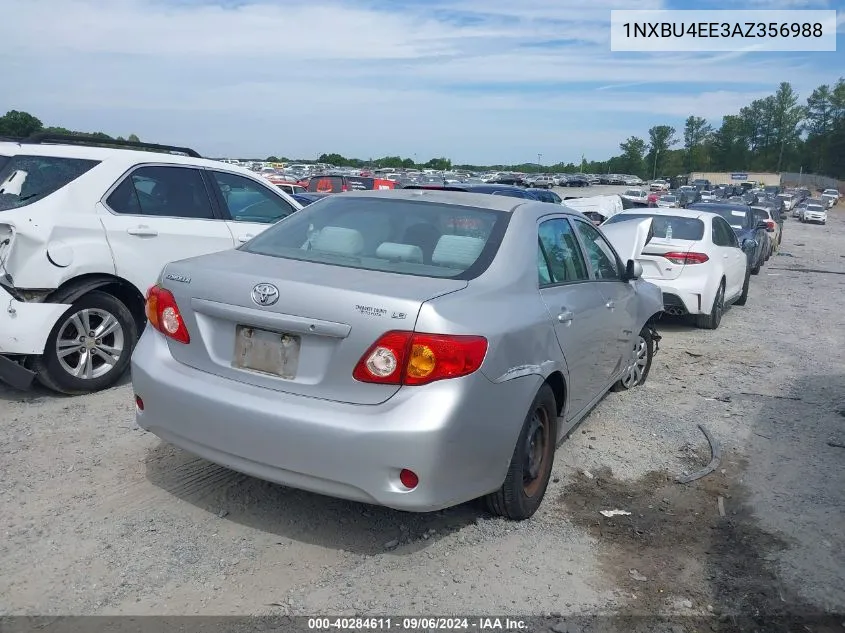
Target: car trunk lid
[[318, 320], [653, 258]]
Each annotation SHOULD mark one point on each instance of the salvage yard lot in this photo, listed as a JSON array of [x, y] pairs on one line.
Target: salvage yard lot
[[98, 517]]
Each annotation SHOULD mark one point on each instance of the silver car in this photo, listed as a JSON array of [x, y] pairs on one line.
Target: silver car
[[411, 348]]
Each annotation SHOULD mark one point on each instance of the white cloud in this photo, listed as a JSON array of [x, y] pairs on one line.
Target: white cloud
[[303, 77]]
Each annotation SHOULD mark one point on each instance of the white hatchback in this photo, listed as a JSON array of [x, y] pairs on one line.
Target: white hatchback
[[695, 258]]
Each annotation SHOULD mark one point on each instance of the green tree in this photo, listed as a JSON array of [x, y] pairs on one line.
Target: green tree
[[661, 138], [633, 151], [20, 124], [697, 132], [443, 164], [134, 138], [272, 159], [333, 159]]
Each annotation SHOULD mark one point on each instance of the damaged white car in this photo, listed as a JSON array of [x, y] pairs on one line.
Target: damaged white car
[[86, 230]]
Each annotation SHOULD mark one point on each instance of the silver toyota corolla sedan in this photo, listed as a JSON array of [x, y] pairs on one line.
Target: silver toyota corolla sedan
[[411, 348]]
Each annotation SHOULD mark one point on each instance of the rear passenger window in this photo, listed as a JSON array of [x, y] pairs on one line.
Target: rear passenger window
[[563, 257], [248, 201], [173, 192]]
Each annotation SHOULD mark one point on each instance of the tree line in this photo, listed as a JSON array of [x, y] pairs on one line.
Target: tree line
[[775, 134], [22, 124]]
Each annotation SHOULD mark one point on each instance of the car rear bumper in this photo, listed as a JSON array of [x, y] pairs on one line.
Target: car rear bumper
[[683, 297], [25, 326], [456, 435]]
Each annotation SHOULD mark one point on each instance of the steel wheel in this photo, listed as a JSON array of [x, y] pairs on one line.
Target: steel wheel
[[89, 343], [537, 443], [636, 364]]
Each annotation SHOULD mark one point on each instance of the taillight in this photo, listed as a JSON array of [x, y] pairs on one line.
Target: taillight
[[163, 314], [412, 358], [686, 258], [770, 224]]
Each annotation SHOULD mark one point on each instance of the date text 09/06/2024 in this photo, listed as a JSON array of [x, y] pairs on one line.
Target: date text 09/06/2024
[[413, 624]]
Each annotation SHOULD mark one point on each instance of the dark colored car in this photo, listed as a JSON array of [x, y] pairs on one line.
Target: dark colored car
[[576, 181], [515, 181], [307, 198], [751, 233], [493, 189], [544, 195]]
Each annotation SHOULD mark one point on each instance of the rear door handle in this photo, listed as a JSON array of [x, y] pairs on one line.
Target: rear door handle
[[565, 316], [142, 231], [245, 238]]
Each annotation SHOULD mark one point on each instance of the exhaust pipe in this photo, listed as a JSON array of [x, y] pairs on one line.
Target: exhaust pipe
[[674, 311]]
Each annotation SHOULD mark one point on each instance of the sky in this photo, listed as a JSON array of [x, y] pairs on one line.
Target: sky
[[477, 81]]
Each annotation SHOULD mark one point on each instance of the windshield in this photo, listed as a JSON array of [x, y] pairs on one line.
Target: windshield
[[815, 207], [26, 179], [398, 236], [681, 228]]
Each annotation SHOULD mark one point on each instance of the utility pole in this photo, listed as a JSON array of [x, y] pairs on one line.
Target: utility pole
[[539, 163], [654, 172]]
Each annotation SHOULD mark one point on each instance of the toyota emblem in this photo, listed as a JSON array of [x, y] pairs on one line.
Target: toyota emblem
[[265, 294]]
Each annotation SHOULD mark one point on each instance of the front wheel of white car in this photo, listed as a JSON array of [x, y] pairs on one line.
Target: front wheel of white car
[[89, 347]]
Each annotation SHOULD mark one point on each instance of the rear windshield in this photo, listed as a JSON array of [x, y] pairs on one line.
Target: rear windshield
[[326, 184], [398, 236], [681, 228], [737, 218], [27, 179]]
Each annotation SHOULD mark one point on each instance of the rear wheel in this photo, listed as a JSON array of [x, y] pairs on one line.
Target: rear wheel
[[89, 347], [531, 464], [711, 321], [744, 296]]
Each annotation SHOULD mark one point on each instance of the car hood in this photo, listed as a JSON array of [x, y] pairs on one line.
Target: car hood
[[628, 238]]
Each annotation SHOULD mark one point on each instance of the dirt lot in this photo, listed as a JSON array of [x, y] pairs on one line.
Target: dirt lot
[[98, 517]]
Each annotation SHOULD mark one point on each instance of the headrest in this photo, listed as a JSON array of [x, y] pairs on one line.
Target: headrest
[[457, 251], [401, 252], [335, 239]]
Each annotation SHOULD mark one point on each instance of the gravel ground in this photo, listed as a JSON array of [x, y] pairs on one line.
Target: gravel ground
[[98, 517]]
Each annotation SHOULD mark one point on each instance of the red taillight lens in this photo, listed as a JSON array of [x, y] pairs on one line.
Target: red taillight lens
[[770, 224], [163, 314], [686, 258], [408, 358]]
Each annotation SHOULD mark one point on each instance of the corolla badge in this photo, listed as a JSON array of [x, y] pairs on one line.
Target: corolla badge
[[265, 294]]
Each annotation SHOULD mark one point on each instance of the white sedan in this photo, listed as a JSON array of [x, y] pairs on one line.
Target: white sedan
[[693, 256]]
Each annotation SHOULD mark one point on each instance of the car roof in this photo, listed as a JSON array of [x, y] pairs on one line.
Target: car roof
[[128, 156], [462, 198]]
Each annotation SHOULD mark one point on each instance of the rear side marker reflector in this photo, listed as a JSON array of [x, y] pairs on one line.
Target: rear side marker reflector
[[413, 358]]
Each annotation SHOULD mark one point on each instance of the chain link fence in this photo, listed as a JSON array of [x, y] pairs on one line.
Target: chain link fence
[[811, 181]]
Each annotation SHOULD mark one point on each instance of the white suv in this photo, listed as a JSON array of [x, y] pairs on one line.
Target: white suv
[[84, 232]]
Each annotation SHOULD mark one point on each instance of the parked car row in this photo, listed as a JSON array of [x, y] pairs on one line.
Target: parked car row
[[413, 347], [703, 256]]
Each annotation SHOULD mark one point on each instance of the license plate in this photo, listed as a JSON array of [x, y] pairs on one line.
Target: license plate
[[267, 352]]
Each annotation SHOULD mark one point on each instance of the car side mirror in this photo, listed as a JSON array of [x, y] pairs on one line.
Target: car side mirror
[[633, 270], [749, 244]]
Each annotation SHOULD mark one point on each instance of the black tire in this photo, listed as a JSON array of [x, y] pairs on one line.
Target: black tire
[[743, 298], [711, 321], [629, 381], [51, 372], [516, 499], [756, 269]]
